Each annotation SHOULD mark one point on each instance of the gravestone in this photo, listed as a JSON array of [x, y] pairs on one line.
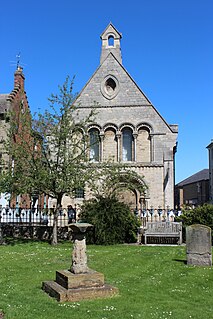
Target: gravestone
[[199, 245]]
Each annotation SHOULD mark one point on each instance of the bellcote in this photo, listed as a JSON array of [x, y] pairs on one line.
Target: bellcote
[[111, 43]]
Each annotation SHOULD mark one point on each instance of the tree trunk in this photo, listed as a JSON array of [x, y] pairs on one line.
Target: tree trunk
[[55, 221], [1, 235]]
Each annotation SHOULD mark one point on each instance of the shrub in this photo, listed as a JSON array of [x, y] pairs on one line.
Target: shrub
[[112, 220], [199, 215]]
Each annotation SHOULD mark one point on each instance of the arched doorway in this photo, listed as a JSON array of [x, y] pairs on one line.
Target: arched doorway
[[131, 191], [128, 197]]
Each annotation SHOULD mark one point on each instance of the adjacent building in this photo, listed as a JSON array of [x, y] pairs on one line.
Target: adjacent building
[[194, 190], [15, 101], [14, 104], [210, 149]]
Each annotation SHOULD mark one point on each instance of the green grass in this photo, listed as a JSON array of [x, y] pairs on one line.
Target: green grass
[[153, 282]]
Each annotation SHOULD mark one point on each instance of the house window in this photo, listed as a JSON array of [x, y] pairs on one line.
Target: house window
[[127, 144], [79, 193], [94, 145]]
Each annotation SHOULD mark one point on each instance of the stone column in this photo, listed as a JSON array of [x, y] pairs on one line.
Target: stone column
[[151, 147], [102, 146], [118, 135], [79, 256], [135, 135]]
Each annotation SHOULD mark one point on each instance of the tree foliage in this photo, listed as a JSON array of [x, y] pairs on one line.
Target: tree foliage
[[113, 222], [199, 215], [49, 154]]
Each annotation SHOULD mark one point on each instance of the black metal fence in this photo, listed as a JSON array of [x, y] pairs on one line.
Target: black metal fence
[[33, 217], [45, 216], [33, 223], [38, 222]]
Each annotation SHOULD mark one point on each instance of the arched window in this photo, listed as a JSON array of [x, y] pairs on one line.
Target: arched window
[[143, 145], [94, 145], [127, 140], [111, 41], [110, 145]]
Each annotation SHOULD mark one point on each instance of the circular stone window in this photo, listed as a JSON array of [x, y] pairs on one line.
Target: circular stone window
[[110, 87]]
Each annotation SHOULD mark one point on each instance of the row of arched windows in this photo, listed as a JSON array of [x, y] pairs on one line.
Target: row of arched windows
[[124, 145]]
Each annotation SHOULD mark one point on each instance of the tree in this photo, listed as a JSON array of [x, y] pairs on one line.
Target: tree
[[48, 154]]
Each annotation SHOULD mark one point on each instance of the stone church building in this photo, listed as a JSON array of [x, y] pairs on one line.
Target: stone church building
[[130, 129]]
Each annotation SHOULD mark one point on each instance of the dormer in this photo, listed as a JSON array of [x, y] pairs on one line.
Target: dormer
[[111, 43]]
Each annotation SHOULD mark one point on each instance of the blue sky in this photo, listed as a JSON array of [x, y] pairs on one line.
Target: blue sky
[[167, 47]]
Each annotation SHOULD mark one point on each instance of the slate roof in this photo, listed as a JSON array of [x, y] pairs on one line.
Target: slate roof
[[197, 177], [210, 145], [110, 24], [4, 103]]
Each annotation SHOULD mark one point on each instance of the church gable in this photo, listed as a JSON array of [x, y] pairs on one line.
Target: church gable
[[111, 85], [112, 88]]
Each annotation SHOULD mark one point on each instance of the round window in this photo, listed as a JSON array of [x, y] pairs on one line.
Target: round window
[[109, 87]]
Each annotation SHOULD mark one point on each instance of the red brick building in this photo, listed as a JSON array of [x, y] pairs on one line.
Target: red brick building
[[15, 104], [194, 190]]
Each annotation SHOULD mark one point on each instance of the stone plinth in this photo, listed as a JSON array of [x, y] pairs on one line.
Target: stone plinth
[[199, 245], [77, 294], [72, 281], [79, 282], [76, 287]]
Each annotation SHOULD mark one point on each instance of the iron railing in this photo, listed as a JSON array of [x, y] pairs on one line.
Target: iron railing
[[45, 216], [33, 217]]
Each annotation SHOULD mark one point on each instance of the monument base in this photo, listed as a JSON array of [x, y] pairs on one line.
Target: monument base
[[76, 287], [199, 259]]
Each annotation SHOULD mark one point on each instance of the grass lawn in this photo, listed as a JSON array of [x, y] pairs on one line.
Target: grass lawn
[[154, 282]]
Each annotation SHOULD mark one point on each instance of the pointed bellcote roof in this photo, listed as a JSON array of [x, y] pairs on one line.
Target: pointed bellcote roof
[[111, 43]]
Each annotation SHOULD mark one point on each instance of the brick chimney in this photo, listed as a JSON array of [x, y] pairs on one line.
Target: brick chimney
[[19, 78]]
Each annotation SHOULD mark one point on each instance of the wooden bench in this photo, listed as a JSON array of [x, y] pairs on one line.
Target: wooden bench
[[163, 230]]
